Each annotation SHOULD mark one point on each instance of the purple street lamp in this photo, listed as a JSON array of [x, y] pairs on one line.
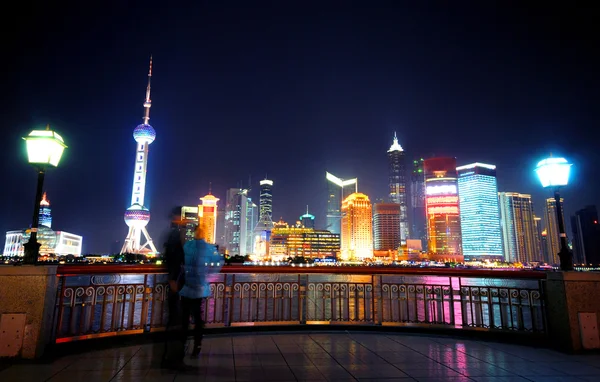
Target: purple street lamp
[[44, 149], [554, 173]]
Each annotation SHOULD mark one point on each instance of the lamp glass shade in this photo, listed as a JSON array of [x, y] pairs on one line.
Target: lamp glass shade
[[553, 172], [44, 147]]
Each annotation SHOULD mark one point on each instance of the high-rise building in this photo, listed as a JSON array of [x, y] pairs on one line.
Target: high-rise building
[[262, 232], [418, 214], [586, 236], [45, 218], [338, 190], [249, 215], [479, 212], [307, 220], [443, 217], [386, 225], [518, 227], [207, 215], [187, 221], [240, 220], [357, 227], [553, 239], [137, 216], [539, 249], [397, 185]]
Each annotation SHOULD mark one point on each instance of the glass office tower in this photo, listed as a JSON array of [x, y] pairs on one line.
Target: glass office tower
[[479, 212]]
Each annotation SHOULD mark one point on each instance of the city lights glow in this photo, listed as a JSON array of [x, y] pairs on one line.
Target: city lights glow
[[449, 210], [553, 172], [476, 164], [442, 200], [442, 189]]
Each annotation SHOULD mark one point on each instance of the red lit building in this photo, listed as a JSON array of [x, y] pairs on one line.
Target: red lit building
[[443, 216]]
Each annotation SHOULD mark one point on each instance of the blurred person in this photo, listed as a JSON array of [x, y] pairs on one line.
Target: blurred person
[[174, 257], [201, 260]]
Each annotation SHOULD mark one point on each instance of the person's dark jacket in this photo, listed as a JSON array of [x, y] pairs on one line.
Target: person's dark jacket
[[174, 257]]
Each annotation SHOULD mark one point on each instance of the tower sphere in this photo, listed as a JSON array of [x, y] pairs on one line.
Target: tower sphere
[[137, 216], [144, 133]]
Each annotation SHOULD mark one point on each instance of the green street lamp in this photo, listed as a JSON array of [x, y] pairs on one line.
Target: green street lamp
[[44, 149], [554, 173]]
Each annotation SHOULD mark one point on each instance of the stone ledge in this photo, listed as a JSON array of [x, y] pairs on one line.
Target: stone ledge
[[573, 276], [28, 270]]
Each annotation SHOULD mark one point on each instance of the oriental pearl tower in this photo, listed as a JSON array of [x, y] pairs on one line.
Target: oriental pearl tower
[[137, 216]]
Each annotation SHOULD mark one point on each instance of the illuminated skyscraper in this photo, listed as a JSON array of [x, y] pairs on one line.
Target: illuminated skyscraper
[[357, 227], [240, 220], [137, 216], [386, 225], [338, 190], [539, 249], [397, 185], [479, 212], [45, 218], [418, 214], [207, 215], [262, 232], [443, 218], [307, 220], [518, 227], [553, 240], [586, 236]]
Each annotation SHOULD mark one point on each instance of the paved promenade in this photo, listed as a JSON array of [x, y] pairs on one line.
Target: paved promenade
[[321, 356]]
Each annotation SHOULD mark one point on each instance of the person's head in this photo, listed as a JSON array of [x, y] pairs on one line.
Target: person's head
[[199, 234]]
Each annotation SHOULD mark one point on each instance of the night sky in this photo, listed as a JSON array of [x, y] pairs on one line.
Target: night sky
[[290, 91]]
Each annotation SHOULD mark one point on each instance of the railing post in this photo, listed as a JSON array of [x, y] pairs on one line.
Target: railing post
[[302, 299], [229, 300], [145, 303], [377, 300]]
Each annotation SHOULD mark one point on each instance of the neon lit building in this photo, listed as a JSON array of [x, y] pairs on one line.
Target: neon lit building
[[441, 200], [518, 227], [357, 228], [45, 218], [386, 225], [241, 216], [397, 185], [338, 190], [307, 242], [479, 212], [207, 216], [58, 243], [553, 240], [137, 216]]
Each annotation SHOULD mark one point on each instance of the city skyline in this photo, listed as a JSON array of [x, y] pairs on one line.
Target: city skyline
[[291, 105]]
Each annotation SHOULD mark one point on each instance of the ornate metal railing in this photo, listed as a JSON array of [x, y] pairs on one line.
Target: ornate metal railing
[[97, 301]]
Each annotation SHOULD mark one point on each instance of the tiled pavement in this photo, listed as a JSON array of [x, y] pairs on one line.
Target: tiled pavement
[[335, 356]]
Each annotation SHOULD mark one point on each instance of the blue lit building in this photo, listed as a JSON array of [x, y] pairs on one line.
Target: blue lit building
[[45, 217], [307, 220], [479, 212]]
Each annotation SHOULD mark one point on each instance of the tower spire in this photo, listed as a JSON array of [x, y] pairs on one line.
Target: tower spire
[[148, 102], [210, 188]]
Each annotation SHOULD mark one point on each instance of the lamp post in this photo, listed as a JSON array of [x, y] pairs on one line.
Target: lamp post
[[44, 149], [554, 173]]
